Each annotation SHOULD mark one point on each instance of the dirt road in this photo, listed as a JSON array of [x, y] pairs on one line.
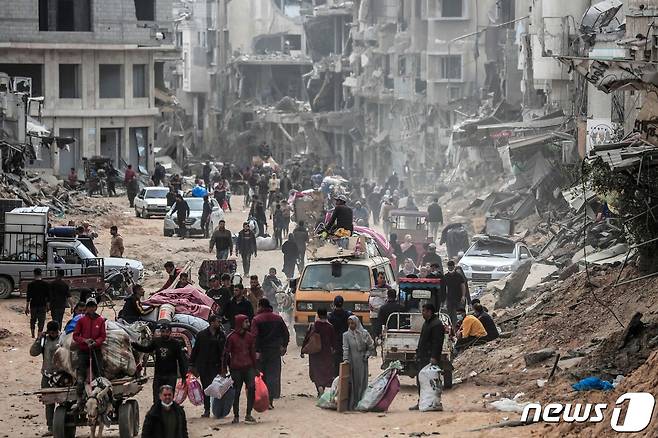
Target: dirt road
[[295, 415]]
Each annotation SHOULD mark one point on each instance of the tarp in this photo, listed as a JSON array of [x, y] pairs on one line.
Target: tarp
[[188, 300]]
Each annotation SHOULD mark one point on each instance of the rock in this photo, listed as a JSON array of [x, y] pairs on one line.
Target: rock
[[538, 272], [512, 292], [536, 357]]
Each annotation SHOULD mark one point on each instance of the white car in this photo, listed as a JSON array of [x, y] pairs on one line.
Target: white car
[[193, 222], [151, 201], [491, 258]]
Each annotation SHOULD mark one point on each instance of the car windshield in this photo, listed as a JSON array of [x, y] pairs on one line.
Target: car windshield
[[156, 194], [491, 249], [352, 277]]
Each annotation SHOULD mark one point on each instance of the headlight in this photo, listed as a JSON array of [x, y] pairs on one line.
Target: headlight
[[465, 267], [361, 307], [504, 268], [304, 307]]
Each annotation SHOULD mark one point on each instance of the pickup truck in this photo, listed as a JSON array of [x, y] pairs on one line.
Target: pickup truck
[[25, 246], [68, 254]]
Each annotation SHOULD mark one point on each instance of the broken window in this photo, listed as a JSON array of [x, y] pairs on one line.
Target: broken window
[[69, 81], [140, 82], [444, 68], [179, 39], [110, 81], [291, 8], [145, 10], [65, 15], [452, 8], [27, 78], [454, 93]]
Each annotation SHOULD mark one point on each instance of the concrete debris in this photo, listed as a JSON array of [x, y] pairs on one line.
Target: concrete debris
[[512, 291], [536, 357]]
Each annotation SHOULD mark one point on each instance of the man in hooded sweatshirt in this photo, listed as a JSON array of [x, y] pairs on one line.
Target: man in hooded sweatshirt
[[240, 359], [89, 335]]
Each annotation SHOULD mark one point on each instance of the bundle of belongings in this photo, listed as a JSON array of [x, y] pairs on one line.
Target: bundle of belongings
[[119, 359], [188, 300]]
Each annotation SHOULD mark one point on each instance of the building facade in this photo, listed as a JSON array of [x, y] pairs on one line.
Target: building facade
[[97, 65]]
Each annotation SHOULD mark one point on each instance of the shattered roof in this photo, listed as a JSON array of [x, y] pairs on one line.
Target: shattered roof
[[622, 155]]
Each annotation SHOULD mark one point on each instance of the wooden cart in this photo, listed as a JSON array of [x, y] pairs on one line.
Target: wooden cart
[[125, 413]]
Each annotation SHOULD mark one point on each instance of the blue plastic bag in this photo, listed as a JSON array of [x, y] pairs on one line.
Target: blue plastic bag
[[592, 383], [221, 407]]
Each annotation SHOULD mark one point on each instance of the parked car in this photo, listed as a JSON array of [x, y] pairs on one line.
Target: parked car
[[491, 258], [193, 222], [151, 201]]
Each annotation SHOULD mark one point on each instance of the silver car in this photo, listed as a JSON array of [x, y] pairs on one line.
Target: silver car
[[151, 201], [491, 258], [193, 222]]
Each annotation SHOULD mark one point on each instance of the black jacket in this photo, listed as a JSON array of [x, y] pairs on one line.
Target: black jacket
[[434, 213], [342, 217], [153, 426], [430, 343], [234, 307], [432, 257], [221, 296], [38, 293], [338, 318], [60, 292], [246, 243], [170, 358], [207, 353], [132, 310], [181, 208], [489, 325]]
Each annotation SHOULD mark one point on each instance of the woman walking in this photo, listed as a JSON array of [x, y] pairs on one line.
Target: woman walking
[[320, 364], [358, 346]]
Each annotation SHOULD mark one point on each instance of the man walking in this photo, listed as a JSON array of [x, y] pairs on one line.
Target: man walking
[[182, 210], [240, 359], [239, 305], [430, 343], [38, 293], [246, 247], [130, 181], [256, 292], [300, 236], [165, 418], [170, 359], [338, 319], [220, 291], [46, 345], [206, 358], [434, 217], [89, 335], [272, 339], [205, 216], [291, 256], [222, 241], [455, 285], [116, 242], [59, 299]]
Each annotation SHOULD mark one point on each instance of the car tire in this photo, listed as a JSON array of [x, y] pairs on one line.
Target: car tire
[[136, 212], [6, 287], [168, 233], [145, 214]]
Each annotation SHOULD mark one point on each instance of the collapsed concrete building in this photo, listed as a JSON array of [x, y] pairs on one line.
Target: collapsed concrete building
[[98, 65]]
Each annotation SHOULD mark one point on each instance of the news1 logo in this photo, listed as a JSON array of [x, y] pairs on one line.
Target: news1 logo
[[639, 409]]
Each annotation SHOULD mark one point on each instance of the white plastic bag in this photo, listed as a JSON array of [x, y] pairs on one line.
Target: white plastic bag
[[219, 386], [328, 399], [429, 379]]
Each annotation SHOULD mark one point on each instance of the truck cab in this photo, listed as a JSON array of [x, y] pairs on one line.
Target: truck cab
[[335, 271]]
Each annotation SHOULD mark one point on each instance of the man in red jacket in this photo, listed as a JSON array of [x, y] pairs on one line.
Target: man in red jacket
[[89, 335], [240, 356]]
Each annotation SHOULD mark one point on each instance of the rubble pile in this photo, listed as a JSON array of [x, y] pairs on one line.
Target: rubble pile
[[644, 379], [577, 319], [48, 191]]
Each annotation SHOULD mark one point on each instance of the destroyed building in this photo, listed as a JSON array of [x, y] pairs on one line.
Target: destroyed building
[[97, 65]]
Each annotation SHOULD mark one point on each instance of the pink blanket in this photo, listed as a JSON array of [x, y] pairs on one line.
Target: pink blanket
[[188, 300]]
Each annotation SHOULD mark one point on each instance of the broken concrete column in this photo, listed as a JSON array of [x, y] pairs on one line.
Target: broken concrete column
[[536, 357], [512, 293]]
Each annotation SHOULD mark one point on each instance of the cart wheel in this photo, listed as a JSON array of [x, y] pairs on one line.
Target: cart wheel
[[126, 426], [60, 428], [135, 406]]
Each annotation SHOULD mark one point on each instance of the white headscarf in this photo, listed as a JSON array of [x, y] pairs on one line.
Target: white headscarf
[[360, 334]]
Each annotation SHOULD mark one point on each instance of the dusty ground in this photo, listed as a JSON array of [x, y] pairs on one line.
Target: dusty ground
[[295, 414]]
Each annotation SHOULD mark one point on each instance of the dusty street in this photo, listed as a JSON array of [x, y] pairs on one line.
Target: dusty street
[[294, 415]]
